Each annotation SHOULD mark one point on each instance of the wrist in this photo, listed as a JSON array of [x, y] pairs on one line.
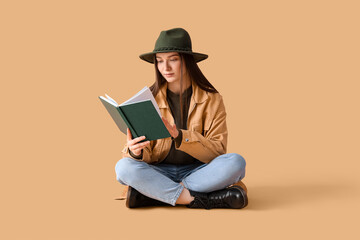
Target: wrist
[[137, 156], [178, 139], [178, 133]]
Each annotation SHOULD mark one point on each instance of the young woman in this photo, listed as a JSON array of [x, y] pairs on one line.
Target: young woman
[[191, 168]]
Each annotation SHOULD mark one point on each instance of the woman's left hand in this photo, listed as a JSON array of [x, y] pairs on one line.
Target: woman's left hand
[[171, 128]]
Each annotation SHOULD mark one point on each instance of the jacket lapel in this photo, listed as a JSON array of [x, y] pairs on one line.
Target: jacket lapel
[[199, 96]]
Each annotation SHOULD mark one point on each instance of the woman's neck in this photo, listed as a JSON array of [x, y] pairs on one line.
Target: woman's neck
[[175, 87]]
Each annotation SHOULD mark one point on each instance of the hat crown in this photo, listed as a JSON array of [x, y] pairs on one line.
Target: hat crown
[[173, 39]]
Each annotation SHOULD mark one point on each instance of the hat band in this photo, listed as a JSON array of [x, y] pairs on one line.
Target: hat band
[[172, 48]]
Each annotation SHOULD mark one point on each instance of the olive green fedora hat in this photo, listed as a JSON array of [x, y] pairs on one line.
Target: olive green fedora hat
[[173, 40]]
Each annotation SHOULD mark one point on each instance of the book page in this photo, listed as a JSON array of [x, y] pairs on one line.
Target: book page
[[143, 95], [109, 101], [112, 100]]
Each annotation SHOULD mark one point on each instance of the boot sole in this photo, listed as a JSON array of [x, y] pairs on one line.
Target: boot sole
[[128, 197]]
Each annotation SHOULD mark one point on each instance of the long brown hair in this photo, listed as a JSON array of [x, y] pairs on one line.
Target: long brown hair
[[194, 73]]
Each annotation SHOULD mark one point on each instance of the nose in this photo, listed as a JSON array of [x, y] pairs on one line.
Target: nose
[[167, 65]]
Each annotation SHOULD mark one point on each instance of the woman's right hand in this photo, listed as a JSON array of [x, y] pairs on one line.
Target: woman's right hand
[[133, 144]]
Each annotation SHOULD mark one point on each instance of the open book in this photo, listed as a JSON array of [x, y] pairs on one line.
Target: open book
[[140, 114]]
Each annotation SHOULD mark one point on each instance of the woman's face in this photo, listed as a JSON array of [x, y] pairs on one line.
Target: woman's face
[[169, 65]]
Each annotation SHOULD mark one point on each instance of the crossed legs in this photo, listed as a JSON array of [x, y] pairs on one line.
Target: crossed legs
[[159, 182]]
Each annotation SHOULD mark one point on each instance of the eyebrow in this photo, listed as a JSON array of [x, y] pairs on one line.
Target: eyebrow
[[169, 56]]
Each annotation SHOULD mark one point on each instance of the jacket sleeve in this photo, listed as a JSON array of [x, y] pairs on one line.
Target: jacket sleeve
[[214, 141]]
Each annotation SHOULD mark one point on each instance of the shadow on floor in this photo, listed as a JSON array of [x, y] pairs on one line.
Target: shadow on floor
[[282, 197]]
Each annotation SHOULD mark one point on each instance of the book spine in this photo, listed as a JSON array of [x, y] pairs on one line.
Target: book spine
[[132, 130]]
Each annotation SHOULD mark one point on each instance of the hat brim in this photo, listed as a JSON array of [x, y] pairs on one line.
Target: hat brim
[[149, 57]]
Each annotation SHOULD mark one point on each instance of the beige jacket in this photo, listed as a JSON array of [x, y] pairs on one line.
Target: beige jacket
[[206, 137]]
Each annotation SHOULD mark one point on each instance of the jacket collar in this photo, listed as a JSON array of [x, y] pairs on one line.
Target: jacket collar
[[198, 96]]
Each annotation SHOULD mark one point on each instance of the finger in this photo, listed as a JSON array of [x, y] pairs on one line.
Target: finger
[[169, 124], [135, 140], [139, 146], [166, 122], [171, 127], [129, 137]]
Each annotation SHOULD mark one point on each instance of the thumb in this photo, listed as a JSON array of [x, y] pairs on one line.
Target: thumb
[[129, 137]]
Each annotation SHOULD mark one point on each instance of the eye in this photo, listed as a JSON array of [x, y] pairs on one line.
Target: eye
[[174, 59]]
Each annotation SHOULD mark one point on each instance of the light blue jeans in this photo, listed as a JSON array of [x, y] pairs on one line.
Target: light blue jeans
[[162, 181]]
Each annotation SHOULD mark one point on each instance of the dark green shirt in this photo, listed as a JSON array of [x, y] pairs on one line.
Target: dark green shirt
[[175, 156]]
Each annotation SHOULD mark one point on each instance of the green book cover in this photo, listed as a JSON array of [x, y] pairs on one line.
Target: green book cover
[[113, 110], [144, 120], [140, 114]]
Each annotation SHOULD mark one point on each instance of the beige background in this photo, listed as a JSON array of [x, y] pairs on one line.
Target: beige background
[[289, 75]]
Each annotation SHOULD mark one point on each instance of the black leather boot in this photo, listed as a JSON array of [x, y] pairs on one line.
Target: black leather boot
[[232, 197], [135, 199]]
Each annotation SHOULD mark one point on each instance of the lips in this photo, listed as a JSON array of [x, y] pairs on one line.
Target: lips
[[169, 75]]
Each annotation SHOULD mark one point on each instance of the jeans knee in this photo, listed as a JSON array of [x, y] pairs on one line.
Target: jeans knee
[[238, 163], [122, 169], [239, 160]]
